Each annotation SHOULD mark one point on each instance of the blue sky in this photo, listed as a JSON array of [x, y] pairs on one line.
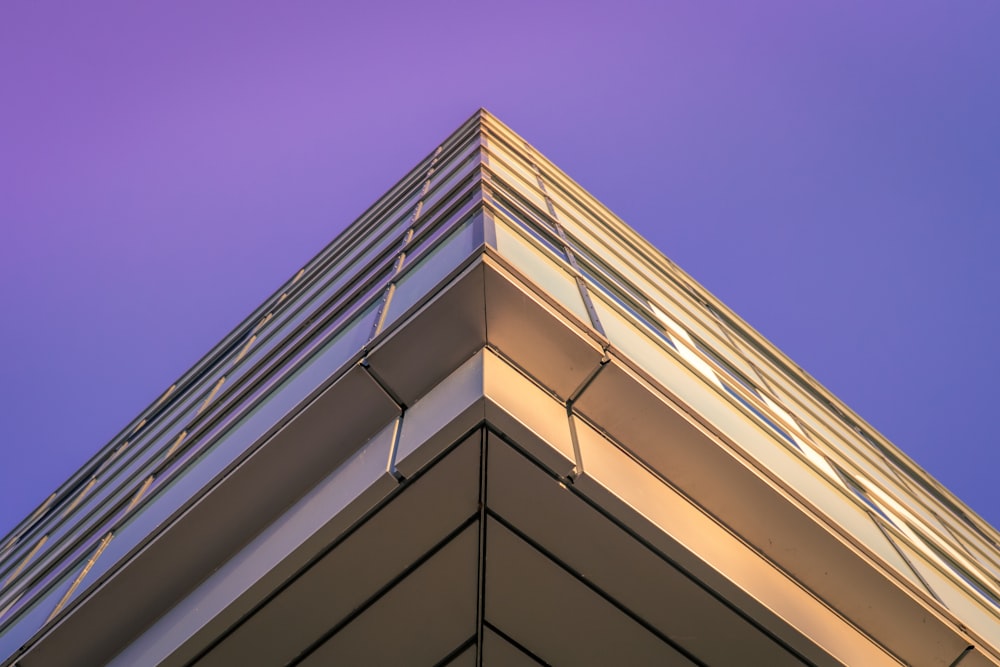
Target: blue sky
[[830, 170]]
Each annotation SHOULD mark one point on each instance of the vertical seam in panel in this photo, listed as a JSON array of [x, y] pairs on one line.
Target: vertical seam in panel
[[394, 447], [401, 257], [577, 454], [951, 531], [578, 392], [570, 413], [489, 222], [481, 564], [581, 284], [486, 319]]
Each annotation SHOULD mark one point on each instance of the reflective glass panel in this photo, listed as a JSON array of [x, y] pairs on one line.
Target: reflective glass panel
[[429, 270], [538, 267], [246, 431]]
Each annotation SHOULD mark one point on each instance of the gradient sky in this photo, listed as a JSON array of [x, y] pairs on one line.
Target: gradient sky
[[829, 169]]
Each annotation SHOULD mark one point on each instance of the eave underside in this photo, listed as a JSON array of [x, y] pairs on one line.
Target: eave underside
[[476, 491]]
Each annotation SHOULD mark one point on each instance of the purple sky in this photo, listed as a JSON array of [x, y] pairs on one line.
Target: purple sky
[[830, 170]]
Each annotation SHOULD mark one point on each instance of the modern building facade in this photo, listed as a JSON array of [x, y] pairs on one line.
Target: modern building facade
[[491, 425]]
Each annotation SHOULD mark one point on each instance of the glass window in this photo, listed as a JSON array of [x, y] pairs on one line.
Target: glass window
[[81, 575], [600, 283], [430, 269], [209, 462], [760, 415], [976, 611], [165, 395], [35, 602], [862, 494], [529, 190], [513, 162], [334, 297], [443, 184], [537, 265], [25, 560], [211, 394], [32, 521], [727, 368], [639, 343], [118, 451], [598, 267], [786, 375], [544, 236], [30, 620], [973, 581], [430, 235], [685, 344], [76, 500], [108, 496], [244, 350]]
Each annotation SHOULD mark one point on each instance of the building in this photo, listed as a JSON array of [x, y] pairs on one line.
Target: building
[[490, 424]]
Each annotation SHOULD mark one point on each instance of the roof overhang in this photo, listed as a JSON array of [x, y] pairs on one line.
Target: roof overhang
[[490, 458]]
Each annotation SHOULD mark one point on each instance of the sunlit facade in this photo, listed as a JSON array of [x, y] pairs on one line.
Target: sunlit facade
[[490, 424]]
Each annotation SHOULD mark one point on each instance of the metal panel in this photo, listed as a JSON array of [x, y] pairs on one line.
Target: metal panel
[[416, 622], [435, 340], [379, 550], [611, 559], [276, 554], [208, 532], [556, 616], [534, 419], [447, 411], [466, 658], [616, 481], [498, 652], [485, 387], [536, 336]]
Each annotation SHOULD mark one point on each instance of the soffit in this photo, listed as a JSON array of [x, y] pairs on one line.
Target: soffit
[[403, 587], [206, 531], [656, 435]]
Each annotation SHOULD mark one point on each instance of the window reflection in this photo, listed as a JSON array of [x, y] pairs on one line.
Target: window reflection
[[80, 577], [211, 394], [431, 268], [27, 559]]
